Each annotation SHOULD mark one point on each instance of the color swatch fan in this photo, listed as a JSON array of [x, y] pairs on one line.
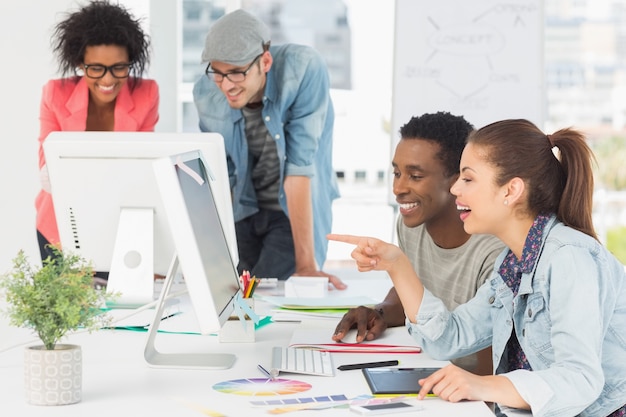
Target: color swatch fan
[[261, 387]]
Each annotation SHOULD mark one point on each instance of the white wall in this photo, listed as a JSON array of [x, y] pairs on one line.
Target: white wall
[[26, 65]]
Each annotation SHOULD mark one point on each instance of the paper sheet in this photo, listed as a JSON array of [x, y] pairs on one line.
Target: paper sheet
[[329, 302], [319, 336]]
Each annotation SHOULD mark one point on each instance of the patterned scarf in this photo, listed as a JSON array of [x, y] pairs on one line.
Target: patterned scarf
[[511, 271]]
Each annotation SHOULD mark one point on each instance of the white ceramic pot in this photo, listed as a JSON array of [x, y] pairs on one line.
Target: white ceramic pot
[[53, 377]]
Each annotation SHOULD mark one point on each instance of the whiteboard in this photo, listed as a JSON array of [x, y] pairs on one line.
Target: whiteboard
[[481, 59]]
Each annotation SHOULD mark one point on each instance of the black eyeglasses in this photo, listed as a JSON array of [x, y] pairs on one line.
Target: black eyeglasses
[[234, 76], [99, 71]]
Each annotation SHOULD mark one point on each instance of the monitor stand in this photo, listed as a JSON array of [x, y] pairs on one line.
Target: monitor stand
[[131, 276], [179, 360]]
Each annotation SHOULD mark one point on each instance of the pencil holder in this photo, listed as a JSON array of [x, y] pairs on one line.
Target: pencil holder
[[236, 330]]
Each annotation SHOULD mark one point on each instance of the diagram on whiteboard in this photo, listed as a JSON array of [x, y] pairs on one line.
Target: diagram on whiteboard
[[481, 59]]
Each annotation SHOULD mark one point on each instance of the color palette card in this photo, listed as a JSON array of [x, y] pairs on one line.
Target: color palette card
[[261, 386]]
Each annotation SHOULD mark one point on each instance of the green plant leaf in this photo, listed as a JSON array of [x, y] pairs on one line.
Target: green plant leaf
[[55, 299]]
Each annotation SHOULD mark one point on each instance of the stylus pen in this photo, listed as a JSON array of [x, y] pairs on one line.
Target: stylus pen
[[266, 372], [367, 365]]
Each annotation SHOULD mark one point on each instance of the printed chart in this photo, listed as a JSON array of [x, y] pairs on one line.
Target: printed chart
[[257, 387], [322, 399]]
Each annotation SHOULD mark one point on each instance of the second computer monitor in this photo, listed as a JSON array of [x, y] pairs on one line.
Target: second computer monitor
[[108, 207]]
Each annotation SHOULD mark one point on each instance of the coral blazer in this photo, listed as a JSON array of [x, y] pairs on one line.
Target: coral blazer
[[64, 104]]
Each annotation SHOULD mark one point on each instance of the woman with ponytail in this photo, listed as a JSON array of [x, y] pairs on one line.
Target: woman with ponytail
[[554, 309]]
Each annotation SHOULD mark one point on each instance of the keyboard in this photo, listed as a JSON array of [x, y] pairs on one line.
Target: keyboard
[[301, 361]]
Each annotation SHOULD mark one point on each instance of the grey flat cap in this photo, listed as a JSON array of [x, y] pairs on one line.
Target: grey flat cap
[[235, 38]]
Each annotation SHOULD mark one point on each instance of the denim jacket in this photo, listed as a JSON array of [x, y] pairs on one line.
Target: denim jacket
[[299, 114], [570, 319]]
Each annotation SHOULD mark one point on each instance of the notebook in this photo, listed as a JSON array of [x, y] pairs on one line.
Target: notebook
[[395, 380], [393, 340]]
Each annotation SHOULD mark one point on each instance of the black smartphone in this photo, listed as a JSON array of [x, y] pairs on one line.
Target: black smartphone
[[385, 408]]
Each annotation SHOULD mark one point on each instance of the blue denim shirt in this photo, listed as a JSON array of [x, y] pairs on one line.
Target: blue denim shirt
[[298, 113], [569, 317]]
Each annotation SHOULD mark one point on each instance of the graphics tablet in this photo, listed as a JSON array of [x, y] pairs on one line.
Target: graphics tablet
[[395, 380]]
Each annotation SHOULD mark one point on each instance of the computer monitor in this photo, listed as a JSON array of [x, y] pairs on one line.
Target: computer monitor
[[108, 207], [203, 254]]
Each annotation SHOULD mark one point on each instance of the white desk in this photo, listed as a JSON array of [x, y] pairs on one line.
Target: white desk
[[117, 381]]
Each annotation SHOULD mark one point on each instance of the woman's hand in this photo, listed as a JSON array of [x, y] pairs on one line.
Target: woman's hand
[[451, 383], [370, 253], [454, 384]]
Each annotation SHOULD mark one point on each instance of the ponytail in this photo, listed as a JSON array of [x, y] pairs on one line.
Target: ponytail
[[576, 204], [560, 183]]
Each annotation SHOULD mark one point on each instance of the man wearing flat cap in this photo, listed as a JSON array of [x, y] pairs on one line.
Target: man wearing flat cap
[[273, 107]]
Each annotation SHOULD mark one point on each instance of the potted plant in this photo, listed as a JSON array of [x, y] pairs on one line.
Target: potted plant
[[52, 300]]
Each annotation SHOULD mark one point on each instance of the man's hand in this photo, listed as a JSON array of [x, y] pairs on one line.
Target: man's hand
[[368, 322], [332, 279]]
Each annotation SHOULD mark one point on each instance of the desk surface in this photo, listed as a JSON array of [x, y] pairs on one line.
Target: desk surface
[[117, 380]]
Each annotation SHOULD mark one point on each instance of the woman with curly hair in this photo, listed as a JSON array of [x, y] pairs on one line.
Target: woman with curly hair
[[102, 53]]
